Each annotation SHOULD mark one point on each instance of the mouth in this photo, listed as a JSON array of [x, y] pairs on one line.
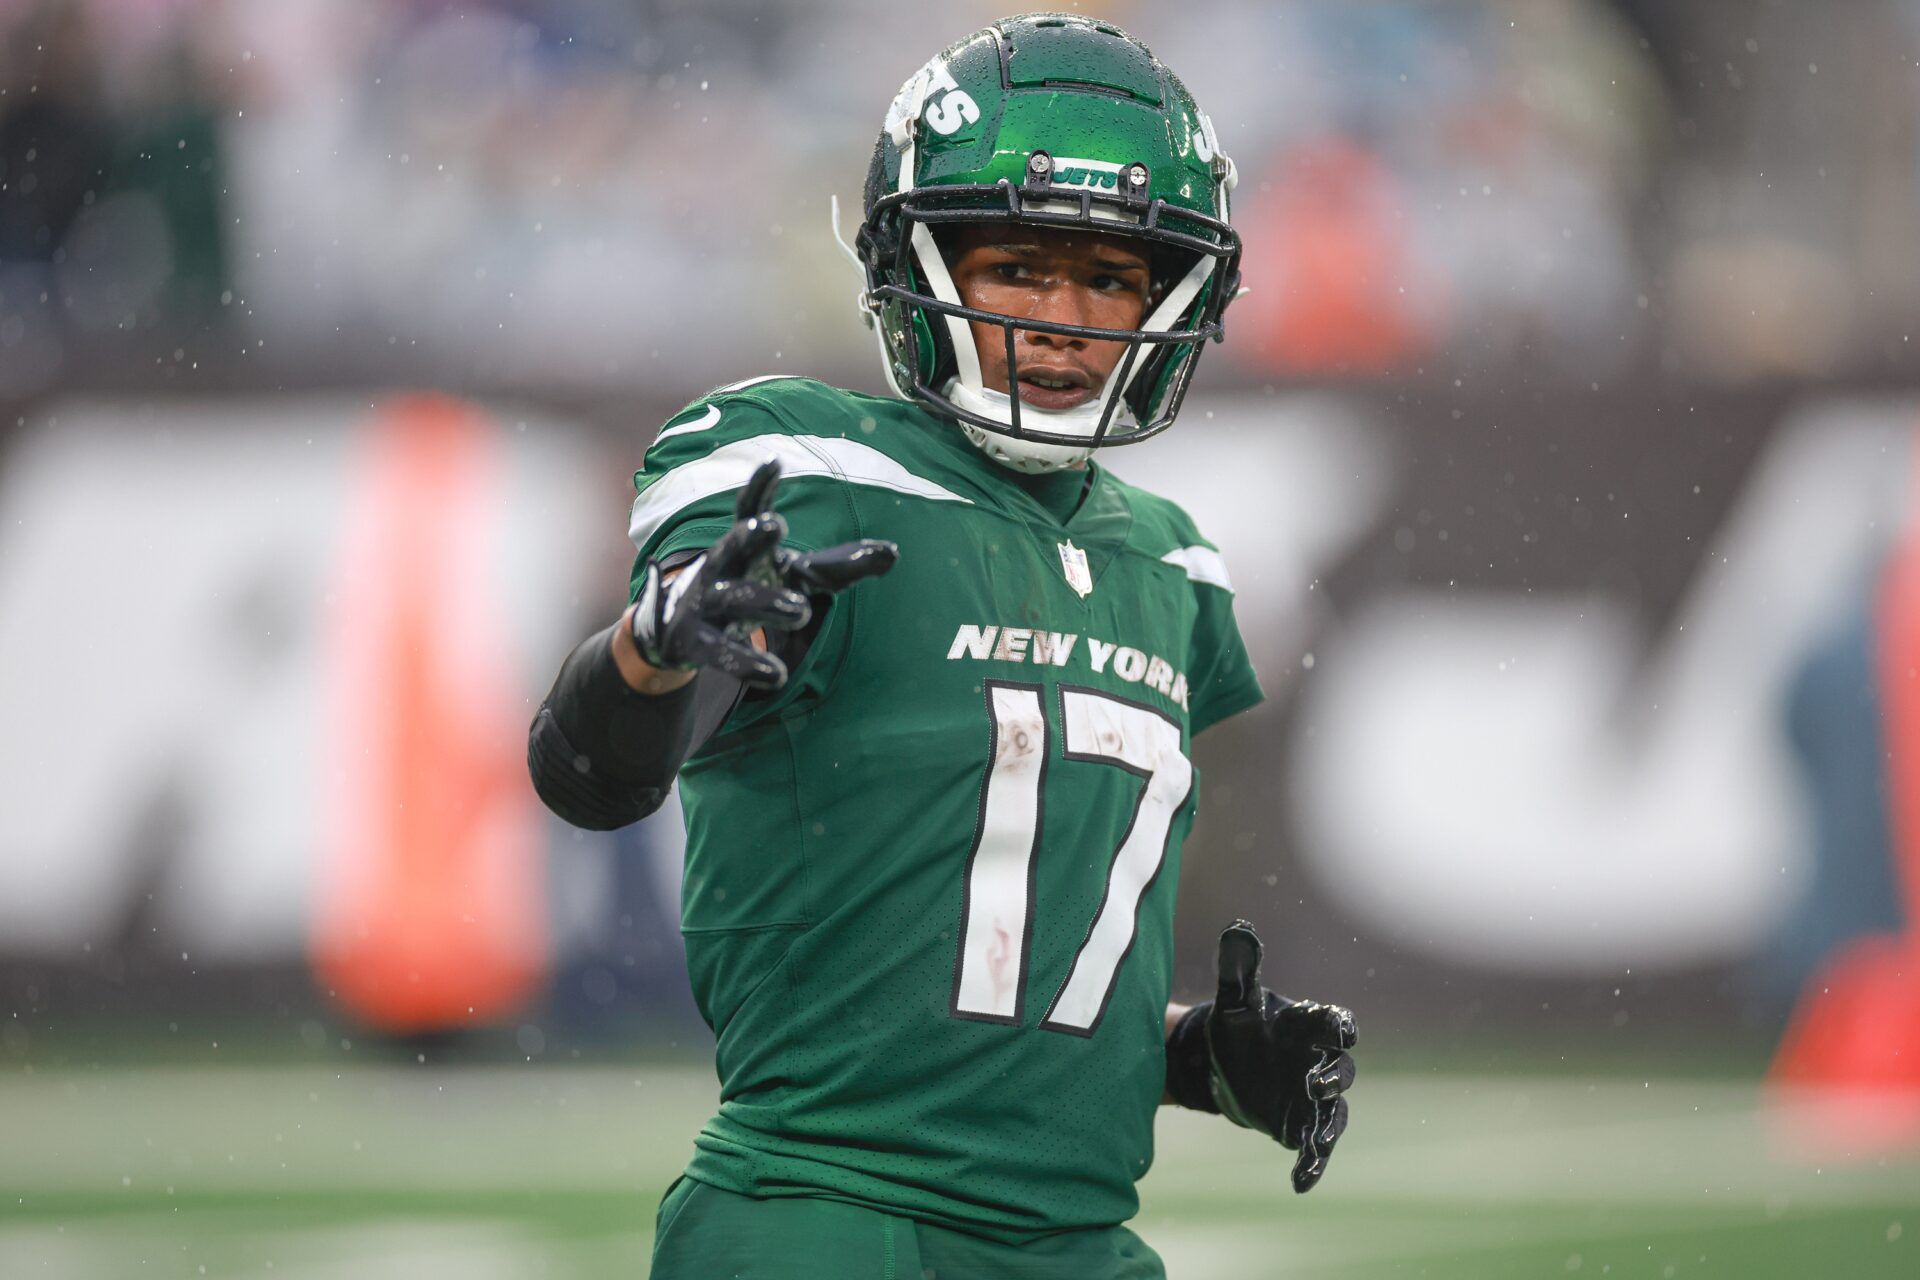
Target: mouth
[[1061, 388]]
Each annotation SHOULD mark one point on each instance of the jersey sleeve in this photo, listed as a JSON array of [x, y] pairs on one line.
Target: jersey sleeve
[[685, 493], [1225, 683]]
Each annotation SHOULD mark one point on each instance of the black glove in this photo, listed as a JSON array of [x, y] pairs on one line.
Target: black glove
[[1264, 1061], [703, 617]]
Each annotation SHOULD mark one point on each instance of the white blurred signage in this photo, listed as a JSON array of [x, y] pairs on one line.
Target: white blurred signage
[[165, 599]]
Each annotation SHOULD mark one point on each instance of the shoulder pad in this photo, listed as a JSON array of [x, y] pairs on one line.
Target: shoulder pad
[[759, 381], [1169, 534], [774, 402]]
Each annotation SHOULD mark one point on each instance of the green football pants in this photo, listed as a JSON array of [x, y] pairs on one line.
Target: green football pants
[[705, 1233]]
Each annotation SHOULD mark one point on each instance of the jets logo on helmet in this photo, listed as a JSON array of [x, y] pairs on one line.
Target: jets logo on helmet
[[930, 93], [1205, 144], [1069, 171], [1061, 121]]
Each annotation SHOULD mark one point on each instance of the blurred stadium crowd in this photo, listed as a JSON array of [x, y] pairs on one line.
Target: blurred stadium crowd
[[549, 194]]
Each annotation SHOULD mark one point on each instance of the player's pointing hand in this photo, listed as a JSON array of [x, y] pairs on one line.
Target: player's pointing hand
[[705, 615], [1265, 1062]]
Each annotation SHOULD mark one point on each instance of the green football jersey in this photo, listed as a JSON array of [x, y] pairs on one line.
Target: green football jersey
[[929, 890]]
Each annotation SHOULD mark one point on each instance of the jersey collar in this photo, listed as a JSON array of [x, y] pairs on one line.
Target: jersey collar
[[1099, 526]]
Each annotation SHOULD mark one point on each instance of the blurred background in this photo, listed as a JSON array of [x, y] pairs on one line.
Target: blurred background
[[1563, 455]]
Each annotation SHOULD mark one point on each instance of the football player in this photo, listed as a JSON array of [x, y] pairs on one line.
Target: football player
[[928, 675]]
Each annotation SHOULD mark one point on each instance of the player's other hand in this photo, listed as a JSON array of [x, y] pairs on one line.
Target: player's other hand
[[1264, 1061], [706, 614]]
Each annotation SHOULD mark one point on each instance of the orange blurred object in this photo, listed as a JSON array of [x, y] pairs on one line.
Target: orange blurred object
[[430, 909], [1852, 1050], [1329, 279]]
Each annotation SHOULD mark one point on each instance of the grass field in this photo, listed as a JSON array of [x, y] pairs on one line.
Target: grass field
[[479, 1173]]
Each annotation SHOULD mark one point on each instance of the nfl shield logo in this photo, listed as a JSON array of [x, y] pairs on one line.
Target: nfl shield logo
[[1074, 561]]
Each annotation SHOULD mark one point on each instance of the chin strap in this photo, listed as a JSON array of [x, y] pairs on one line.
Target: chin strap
[[1031, 456], [995, 447]]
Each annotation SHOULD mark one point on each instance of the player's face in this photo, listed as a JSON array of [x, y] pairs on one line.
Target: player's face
[[1057, 275]]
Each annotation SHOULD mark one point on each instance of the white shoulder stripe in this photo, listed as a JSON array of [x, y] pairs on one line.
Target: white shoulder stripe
[[698, 424], [1203, 564], [729, 467], [744, 383]]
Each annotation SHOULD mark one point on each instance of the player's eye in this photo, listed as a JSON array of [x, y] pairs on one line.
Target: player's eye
[[1011, 271], [1124, 280]]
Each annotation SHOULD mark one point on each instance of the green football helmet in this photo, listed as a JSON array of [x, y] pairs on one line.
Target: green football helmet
[[1050, 120]]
